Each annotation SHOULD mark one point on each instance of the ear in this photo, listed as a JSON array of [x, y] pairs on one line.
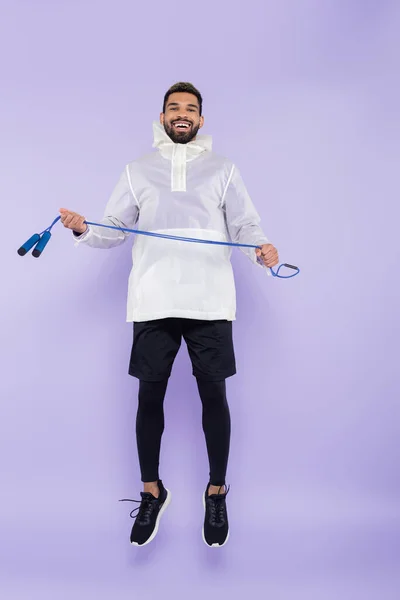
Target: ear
[[201, 122], [162, 118]]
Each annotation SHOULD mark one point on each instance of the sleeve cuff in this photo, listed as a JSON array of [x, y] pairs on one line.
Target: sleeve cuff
[[81, 237]]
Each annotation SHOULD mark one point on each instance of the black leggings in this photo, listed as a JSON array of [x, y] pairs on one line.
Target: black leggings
[[150, 427]]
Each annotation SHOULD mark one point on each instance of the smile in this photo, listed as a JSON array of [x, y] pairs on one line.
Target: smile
[[182, 125]]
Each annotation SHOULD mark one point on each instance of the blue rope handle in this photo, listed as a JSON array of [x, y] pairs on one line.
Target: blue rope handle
[[42, 238]]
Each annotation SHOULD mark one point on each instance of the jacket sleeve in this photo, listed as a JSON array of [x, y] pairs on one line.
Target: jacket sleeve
[[241, 217], [122, 210]]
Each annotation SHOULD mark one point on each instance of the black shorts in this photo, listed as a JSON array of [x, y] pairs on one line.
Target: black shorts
[[156, 344]]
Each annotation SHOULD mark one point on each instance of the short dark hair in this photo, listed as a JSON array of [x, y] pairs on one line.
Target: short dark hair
[[183, 86]]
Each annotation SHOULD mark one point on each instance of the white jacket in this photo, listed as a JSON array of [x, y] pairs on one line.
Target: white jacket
[[184, 190]]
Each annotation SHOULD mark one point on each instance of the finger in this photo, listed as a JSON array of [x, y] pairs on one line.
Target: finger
[[271, 263], [63, 219], [267, 259], [271, 256], [78, 224], [68, 221], [268, 249], [75, 221], [271, 252]]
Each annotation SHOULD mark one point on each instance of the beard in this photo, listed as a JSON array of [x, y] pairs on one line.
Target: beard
[[181, 137]]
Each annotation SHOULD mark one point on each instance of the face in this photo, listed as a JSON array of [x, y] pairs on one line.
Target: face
[[182, 118]]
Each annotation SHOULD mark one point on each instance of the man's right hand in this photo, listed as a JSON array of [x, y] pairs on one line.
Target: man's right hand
[[72, 220]]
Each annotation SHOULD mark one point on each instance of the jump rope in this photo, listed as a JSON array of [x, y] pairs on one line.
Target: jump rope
[[40, 241]]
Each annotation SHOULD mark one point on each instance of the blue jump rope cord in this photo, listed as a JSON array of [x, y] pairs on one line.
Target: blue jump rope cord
[[175, 237]]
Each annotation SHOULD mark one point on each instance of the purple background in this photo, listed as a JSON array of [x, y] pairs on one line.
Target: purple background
[[304, 97]]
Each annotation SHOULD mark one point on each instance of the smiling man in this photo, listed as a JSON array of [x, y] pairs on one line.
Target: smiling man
[[181, 130], [178, 290]]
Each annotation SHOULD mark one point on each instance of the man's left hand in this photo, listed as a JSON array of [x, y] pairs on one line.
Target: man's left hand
[[268, 254]]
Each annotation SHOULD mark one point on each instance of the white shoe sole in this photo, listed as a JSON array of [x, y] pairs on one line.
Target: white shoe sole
[[160, 514], [204, 539]]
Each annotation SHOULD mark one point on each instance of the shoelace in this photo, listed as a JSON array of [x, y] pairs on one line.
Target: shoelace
[[145, 508], [216, 504]]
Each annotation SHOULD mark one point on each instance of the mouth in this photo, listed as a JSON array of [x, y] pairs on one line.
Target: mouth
[[181, 125]]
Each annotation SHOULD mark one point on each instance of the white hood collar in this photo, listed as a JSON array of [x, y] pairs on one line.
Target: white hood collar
[[164, 142], [179, 154]]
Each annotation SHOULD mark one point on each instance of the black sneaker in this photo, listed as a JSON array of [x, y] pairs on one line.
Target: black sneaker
[[147, 519], [216, 527]]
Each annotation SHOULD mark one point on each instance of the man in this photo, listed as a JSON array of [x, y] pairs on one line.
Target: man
[[178, 289]]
